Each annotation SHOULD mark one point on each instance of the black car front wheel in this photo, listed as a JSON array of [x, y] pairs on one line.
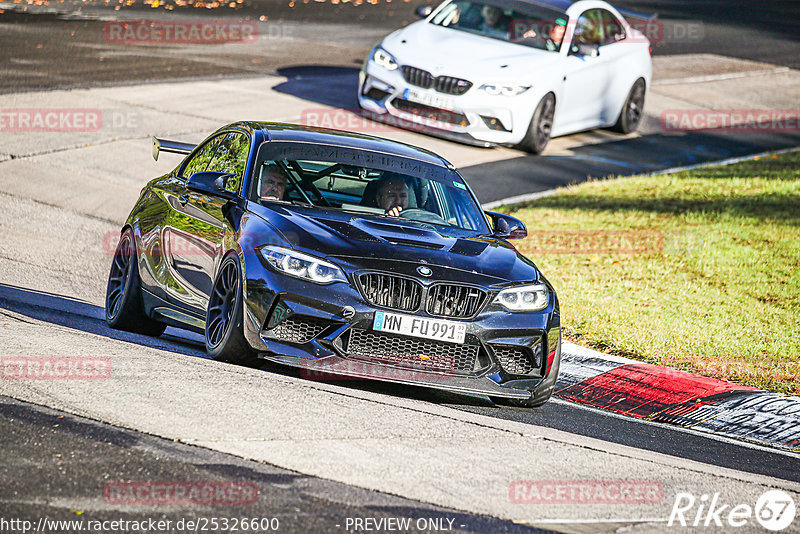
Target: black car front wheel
[[632, 110], [541, 126], [225, 339], [124, 309]]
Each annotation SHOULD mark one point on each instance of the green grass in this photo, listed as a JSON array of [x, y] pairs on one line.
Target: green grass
[[698, 270]]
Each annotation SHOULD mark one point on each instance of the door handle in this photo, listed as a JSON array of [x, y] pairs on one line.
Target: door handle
[[183, 199]]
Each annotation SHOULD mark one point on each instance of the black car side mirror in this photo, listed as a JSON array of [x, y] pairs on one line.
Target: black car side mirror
[[582, 49], [210, 183], [506, 226], [423, 11]]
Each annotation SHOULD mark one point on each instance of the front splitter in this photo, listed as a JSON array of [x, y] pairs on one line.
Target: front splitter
[[336, 367]]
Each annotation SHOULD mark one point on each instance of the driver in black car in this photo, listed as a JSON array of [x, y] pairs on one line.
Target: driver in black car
[[273, 183], [392, 195]]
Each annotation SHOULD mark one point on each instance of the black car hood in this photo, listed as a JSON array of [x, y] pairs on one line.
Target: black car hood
[[392, 244]]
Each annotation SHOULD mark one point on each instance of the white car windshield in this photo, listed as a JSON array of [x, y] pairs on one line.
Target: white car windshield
[[515, 22]]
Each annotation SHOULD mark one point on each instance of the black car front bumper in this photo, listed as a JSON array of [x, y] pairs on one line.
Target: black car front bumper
[[327, 332]]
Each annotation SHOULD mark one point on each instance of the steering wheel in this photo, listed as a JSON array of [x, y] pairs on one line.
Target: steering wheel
[[422, 216]]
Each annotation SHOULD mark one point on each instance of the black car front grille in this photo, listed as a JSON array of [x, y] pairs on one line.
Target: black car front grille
[[517, 360], [418, 77], [448, 300], [297, 329], [442, 300], [434, 356], [452, 86], [444, 84], [429, 112], [391, 291]]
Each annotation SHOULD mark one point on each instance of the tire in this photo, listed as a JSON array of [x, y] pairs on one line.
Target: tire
[[519, 403], [224, 332], [541, 126], [124, 308], [632, 110]]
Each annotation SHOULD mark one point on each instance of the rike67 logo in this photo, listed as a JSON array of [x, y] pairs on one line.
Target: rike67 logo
[[774, 510]]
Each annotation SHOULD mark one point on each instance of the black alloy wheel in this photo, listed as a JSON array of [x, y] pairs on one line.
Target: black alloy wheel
[[224, 333], [632, 110], [124, 309], [541, 126]]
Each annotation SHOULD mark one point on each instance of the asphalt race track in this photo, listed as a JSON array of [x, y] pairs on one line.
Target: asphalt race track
[[321, 453]]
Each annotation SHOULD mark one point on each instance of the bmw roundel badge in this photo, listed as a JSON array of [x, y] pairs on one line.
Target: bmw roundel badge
[[424, 271]]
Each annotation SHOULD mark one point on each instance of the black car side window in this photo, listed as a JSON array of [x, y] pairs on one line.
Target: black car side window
[[231, 157], [201, 158]]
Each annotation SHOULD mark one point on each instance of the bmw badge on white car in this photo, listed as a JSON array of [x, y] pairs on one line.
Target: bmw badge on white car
[[510, 72]]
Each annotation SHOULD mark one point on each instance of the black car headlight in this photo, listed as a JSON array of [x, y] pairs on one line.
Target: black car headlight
[[528, 298], [384, 59], [303, 266]]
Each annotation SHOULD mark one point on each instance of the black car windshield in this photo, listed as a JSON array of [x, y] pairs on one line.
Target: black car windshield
[[521, 23], [367, 183]]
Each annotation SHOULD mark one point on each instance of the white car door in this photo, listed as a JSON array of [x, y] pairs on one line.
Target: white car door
[[586, 78]]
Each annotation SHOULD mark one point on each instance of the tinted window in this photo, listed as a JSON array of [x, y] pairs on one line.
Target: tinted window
[[589, 29], [518, 22], [598, 27], [368, 191], [231, 157], [201, 158], [612, 29]]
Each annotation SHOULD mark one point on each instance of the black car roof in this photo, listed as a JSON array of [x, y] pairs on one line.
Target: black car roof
[[276, 131]]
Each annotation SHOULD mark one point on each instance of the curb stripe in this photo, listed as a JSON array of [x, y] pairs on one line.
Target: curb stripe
[[665, 395]]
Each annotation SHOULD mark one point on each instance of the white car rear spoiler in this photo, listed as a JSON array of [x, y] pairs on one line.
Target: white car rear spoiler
[[174, 147]]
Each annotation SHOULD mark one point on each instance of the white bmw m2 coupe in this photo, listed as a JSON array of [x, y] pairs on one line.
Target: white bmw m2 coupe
[[510, 72]]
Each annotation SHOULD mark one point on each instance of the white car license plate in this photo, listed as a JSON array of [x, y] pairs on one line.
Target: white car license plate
[[408, 325], [429, 99]]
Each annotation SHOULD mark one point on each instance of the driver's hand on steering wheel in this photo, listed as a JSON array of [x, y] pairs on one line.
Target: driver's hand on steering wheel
[[394, 212]]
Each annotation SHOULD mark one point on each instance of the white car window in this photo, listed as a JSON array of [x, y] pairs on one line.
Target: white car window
[[598, 27], [526, 24]]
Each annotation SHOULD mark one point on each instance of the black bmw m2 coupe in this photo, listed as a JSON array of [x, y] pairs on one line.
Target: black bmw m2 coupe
[[340, 253]]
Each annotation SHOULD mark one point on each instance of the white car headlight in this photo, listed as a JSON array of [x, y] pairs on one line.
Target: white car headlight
[[533, 297], [302, 265], [505, 90], [384, 59]]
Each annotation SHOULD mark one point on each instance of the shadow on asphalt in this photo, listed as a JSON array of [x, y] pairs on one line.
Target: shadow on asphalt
[[73, 313], [329, 86], [76, 314]]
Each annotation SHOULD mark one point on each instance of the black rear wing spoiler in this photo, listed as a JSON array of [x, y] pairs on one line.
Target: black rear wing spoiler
[[174, 147]]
